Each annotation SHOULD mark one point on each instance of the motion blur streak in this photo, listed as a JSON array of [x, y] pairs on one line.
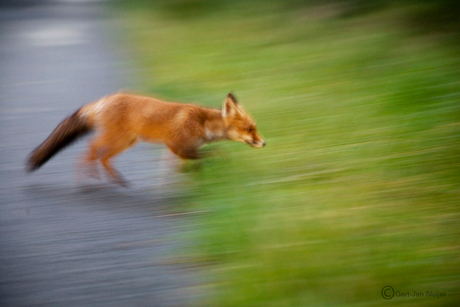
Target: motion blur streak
[[64, 242], [358, 101]]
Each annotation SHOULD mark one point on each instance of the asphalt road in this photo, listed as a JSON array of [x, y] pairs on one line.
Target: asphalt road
[[68, 242]]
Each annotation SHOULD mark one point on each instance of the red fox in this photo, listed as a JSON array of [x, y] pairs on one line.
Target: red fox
[[123, 120]]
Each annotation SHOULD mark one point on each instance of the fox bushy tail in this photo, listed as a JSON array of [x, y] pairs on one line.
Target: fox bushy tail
[[68, 131]]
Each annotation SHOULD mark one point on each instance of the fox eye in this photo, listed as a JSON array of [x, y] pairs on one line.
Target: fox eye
[[250, 129]]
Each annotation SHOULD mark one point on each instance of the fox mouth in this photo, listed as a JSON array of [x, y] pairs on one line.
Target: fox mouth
[[255, 144]]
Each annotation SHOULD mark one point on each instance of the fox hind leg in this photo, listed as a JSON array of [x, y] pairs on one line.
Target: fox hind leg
[[87, 165], [89, 162], [114, 173], [105, 148]]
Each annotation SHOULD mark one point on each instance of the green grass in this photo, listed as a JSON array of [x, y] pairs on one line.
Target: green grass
[[358, 186]]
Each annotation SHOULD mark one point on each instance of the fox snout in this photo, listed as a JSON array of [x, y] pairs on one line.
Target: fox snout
[[256, 143], [253, 138], [247, 136]]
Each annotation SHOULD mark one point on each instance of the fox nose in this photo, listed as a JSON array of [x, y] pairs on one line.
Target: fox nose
[[263, 144]]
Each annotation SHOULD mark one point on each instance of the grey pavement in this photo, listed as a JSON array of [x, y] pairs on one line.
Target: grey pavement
[[64, 241]]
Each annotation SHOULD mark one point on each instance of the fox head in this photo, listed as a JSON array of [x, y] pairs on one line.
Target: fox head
[[240, 126]]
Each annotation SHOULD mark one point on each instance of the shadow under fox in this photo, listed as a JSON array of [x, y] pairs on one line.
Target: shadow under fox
[[123, 120]]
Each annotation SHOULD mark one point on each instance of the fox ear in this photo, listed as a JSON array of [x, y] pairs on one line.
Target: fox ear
[[230, 106]]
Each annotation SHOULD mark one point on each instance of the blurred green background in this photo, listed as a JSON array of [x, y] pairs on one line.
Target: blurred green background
[[358, 186]]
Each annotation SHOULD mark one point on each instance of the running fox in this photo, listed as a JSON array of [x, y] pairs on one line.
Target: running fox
[[123, 120]]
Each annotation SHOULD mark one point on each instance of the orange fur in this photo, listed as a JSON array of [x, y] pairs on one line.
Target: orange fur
[[123, 120]]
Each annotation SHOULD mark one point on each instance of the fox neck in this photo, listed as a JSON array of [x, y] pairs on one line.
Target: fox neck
[[214, 127]]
